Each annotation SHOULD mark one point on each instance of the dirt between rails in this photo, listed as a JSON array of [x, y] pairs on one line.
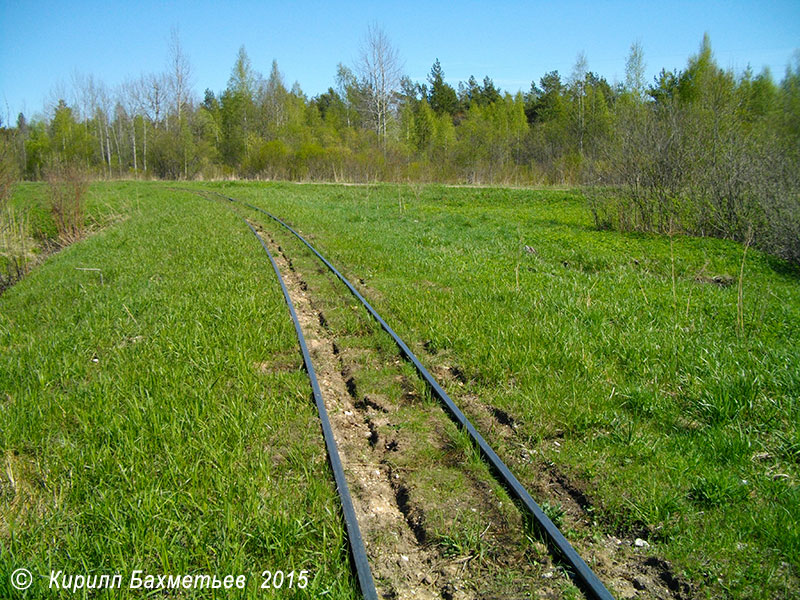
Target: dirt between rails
[[406, 559], [405, 551]]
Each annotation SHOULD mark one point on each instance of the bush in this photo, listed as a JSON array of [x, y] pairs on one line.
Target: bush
[[67, 185], [15, 242], [16, 246], [702, 170]]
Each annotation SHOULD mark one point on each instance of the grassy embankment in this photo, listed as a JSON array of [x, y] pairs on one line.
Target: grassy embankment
[[154, 415], [637, 364]]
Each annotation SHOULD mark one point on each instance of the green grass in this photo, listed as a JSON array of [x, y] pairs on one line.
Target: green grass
[[678, 420], [174, 453], [157, 419]]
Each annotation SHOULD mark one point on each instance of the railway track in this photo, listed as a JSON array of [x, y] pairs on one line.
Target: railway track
[[380, 482]]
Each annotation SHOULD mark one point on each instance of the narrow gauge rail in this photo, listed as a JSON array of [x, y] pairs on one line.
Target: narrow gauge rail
[[585, 577], [365, 580]]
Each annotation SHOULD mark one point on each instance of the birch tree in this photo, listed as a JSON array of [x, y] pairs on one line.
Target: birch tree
[[634, 72], [380, 70], [179, 75], [128, 99], [577, 83]]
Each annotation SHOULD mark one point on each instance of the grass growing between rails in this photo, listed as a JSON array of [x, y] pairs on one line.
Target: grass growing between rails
[[154, 412], [453, 522], [636, 364]]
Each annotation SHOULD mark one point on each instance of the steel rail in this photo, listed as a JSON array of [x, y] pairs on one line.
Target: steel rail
[[357, 549], [586, 578]]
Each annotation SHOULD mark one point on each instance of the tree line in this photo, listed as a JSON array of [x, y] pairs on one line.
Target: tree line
[[699, 150]]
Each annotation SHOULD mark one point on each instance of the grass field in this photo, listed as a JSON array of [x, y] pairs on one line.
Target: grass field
[[156, 419], [145, 424]]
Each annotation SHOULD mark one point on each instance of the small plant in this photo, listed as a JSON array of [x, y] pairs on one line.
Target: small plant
[[554, 511], [417, 188], [715, 489], [464, 542], [740, 288]]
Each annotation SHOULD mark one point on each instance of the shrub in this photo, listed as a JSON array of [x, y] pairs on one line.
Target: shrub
[[15, 242], [67, 186]]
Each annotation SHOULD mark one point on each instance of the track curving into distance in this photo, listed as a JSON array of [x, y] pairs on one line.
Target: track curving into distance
[[359, 553], [584, 576]]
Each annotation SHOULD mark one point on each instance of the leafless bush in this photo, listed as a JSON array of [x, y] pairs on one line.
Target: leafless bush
[[8, 167], [67, 185], [15, 242], [16, 246], [699, 171]]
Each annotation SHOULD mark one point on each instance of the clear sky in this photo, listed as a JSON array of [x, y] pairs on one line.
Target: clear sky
[[44, 43]]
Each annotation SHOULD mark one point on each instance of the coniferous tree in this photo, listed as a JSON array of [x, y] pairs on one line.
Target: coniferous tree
[[489, 93], [442, 96]]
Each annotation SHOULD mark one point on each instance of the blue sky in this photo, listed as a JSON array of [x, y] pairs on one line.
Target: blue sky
[[44, 43]]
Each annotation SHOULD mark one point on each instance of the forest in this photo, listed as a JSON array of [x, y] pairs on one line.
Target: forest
[[702, 150]]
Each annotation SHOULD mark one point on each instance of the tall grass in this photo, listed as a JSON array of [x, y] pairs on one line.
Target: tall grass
[[620, 347]]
